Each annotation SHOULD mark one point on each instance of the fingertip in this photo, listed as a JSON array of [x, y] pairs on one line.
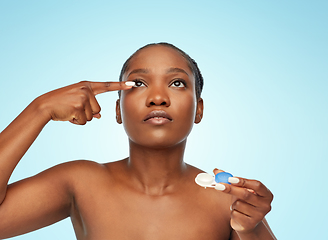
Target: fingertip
[[233, 180], [127, 85], [102, 87], [97, 115], [130, 84], [220, 187], [216, 171]]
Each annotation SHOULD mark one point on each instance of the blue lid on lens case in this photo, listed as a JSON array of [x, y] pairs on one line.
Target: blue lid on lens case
[[207, 180], [222, 177]]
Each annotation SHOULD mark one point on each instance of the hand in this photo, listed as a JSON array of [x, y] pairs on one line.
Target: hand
[[76, 103], [250, 203]]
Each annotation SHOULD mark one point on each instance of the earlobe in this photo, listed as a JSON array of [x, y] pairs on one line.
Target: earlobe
[[199, 111], [118, 112]]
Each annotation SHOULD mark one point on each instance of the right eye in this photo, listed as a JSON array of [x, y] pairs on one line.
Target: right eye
[[139, 83]]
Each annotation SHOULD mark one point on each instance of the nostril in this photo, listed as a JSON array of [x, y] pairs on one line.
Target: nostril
[[162, 103]]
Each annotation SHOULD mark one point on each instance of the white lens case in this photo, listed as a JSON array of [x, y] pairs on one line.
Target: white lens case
[[205, 180]]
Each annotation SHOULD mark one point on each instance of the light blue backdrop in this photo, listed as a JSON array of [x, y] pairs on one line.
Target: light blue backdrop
[[265, 69]]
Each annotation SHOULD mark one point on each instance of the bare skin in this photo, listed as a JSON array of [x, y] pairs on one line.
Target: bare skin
[[149, 195]]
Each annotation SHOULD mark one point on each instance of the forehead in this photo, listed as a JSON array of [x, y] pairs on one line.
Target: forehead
[[157, 58]]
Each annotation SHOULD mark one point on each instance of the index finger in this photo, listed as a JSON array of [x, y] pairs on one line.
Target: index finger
[[101, 87], [252, 186]]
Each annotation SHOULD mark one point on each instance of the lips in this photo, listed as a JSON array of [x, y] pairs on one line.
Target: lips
[[158, 116]]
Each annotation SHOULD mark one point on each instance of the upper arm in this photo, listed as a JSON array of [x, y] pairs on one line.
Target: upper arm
[[36, 202]]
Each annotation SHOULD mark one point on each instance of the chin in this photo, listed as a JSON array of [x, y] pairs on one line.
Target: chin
[[158, 142]]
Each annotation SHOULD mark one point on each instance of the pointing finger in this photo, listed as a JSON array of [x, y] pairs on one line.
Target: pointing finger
[[253, 186], [248, 193], [101, 87], [239, 193]]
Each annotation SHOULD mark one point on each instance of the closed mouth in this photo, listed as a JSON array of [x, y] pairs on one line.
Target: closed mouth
[[158, 114]]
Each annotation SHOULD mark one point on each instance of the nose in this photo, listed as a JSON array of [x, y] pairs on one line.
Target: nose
[[158, 97]]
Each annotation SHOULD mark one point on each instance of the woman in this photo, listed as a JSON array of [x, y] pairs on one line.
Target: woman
[[149, 195]]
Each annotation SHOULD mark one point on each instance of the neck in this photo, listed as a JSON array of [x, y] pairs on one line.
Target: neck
[[156, 171]]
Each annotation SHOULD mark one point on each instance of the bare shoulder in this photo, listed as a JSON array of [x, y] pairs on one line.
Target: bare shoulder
[[72, 169], [210, 205], [193, 170], [63, 174], [209, 196], [83, 173], [81, 167], [47, 197], [88, 167]]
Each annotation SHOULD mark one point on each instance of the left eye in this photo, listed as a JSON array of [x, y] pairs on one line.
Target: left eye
[[139, 83], [178, 84]]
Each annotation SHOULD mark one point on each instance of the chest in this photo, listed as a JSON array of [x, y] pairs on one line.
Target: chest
[[125, 215]]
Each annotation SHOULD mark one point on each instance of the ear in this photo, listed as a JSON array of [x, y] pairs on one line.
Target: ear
[[199, 110], [118, 112]]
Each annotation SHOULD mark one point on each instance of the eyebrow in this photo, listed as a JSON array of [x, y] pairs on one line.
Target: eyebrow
[[139, 70], [173, 70]]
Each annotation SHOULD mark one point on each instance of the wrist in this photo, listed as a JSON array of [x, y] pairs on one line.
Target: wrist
[[40, 109], [260, 232], [249, 235]]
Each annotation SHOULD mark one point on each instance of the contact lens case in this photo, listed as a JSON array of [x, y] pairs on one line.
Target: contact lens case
[[207, 180]]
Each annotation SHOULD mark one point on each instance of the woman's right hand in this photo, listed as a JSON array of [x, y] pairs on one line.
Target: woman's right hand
[[76, 103]]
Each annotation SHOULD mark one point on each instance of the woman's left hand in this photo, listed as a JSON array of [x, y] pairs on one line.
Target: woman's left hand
[[251, 201]]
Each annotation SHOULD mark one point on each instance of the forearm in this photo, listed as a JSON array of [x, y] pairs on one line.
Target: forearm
[[17, 138]]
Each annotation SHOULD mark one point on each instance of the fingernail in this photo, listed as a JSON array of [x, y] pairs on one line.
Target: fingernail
[[233, 180], [97, 115], [216, 170], [219, 186], [130, 84]]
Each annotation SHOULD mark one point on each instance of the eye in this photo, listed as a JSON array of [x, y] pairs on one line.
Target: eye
[[178, 84], [139, 83]]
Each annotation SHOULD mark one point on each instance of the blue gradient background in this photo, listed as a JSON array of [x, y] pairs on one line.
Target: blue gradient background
[[265, 70]]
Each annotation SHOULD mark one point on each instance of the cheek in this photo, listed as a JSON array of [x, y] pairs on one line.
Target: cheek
[[185, 113], [183, 109], [129, 110]]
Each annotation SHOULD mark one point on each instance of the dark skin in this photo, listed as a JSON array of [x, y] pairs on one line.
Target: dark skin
[[149, 195]]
